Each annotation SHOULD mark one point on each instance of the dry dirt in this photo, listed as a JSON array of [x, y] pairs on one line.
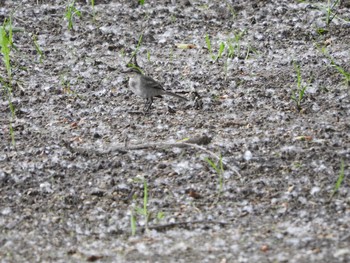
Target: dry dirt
[[84, 150]]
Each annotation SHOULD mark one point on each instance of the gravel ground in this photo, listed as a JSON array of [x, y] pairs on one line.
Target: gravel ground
[[85, 152]]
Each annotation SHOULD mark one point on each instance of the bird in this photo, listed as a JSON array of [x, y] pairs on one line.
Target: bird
[[146, 87]]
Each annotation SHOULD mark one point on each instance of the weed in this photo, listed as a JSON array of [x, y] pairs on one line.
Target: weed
[[341, 70], [234, 44], [220, 51], [67, 89], [71, 12], [298, 94], [219, 169], [172, 18], [134, 53], [160, 215], [207, 41], [345, 74], [143, 211], [122, 53], [38, 49], [133, 223], [141, 2], [93, 10], [232, 11], [148, 56], [339, 180], [321, 31], [250, 49], [230, 48], [6, 43], [131, 64], [330, 14]]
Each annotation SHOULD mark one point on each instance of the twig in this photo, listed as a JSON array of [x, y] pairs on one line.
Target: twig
[[172, 225], [122, 149]]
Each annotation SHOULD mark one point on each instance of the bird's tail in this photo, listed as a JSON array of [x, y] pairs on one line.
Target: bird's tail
[[175, 95]]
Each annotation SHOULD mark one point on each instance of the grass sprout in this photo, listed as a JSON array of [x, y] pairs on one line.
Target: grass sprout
[[330, 13], [229, 49], [138, 46], [209, 47], [148, 56], [6, 43], [221, 50], [329, 9], [143, 211], [207, 41], [232, 11], [299, 93], [67, 89], [345, 74], [234, 44], [134, 65], [339, 180], [71, 12], [93, 10], [219, 169], [133, 221], [340, 69], [38, 49], [250, 50]]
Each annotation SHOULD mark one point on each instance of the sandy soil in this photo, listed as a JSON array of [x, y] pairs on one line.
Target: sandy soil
[[84, 150]]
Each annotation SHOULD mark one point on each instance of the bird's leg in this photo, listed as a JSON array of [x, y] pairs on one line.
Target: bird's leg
[[148, 104]]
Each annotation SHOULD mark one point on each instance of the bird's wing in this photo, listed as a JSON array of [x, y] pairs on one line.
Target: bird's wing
[[149, 82]]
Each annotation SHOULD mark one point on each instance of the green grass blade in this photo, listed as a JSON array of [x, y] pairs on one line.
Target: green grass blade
[[145, 197], [340, 178]]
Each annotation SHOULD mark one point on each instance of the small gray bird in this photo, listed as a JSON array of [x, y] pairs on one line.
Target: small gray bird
[[146, 87]]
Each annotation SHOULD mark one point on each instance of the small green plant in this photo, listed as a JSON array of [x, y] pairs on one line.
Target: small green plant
[[132, 62], [345, 74], [133, 223], [143, 211], [219, 169], [250, 50], [160, 215], [220, 51], [141, 2], [207, 41], [339, 180], [234, 44], [38, 49], [67, 89], [232, 10], [172, 18], [299, 93], [330, 13], [341, 70], [71, 12], [134, 53], [321, 31], [6, 43], [93, 10], [148, 56]]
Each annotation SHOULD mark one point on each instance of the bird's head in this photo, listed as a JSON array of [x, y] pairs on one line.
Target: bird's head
[[132, 71]]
